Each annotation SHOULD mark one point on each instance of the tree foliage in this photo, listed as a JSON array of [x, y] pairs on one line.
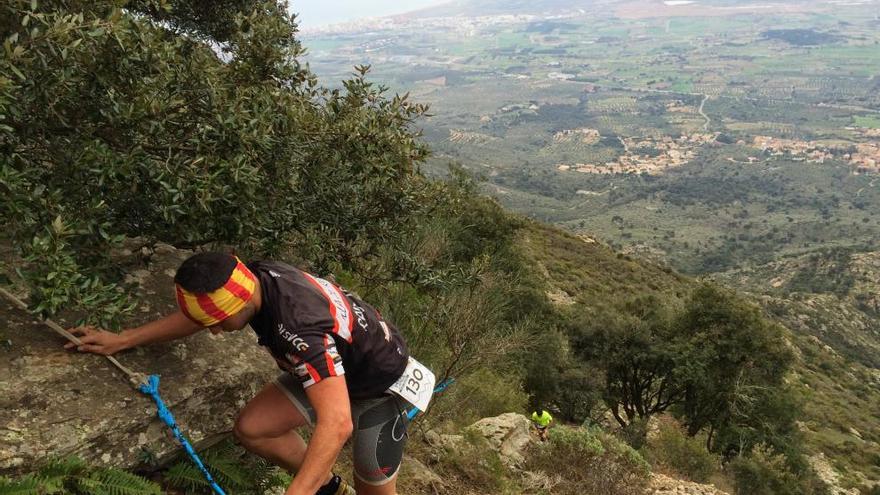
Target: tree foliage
[[191, 126], [641, 358], [714, 362], [735, 356]]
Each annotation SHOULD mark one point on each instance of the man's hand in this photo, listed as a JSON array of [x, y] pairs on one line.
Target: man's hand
[[97, 341], [174, 326]]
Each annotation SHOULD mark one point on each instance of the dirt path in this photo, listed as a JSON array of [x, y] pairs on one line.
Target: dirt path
[[870, 184], [708, 120]]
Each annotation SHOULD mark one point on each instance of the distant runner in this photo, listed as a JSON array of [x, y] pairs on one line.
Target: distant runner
[[341, 362], [541, 419]]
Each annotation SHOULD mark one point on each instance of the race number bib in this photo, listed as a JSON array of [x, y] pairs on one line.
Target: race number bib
[[416, 385]]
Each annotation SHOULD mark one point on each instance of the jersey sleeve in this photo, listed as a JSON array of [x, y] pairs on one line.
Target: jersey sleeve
[[312, 357]]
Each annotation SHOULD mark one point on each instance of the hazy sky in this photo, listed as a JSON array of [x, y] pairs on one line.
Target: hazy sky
[[317, 12]]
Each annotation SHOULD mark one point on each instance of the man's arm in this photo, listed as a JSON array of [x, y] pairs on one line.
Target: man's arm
[[329, 398], [174, 326]]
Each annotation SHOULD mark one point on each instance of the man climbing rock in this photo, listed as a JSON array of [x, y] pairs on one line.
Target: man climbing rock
[[339, 357], [541, 419]]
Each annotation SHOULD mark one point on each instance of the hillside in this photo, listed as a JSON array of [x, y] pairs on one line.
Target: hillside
[[586, 274], [829, 300], [579, 275], [134, 136], [839, 390], [733, 140]]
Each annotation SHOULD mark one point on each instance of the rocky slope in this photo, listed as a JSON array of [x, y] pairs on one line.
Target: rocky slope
[[510, 436], [59, 403], [831, 303]]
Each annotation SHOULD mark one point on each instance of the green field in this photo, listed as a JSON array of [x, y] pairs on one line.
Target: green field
[[871, 122]]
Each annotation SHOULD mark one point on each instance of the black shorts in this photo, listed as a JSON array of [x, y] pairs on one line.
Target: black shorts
[[379, 430]]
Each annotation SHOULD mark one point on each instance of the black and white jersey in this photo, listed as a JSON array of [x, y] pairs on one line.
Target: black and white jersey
[[316, 330]]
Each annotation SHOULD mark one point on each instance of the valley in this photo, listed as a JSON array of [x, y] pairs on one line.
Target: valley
[[736, 141]]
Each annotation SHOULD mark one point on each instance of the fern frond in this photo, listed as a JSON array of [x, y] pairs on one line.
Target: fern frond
[[25, 486], [55, 473], [107, 481], [260, 473], [185, 475], [226, 448], [228, 469], [63, 466], [274, 477]]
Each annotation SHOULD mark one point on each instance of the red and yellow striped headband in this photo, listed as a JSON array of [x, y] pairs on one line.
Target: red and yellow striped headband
[[212, 308]]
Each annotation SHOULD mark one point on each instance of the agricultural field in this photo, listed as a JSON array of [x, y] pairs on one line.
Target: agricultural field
[[686, 109]]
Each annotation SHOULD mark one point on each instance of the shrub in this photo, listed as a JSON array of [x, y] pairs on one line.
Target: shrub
[[478, 464], [483, 394], [635, 434], [148, 133], [671, 449], [591, 462], [763, 472]]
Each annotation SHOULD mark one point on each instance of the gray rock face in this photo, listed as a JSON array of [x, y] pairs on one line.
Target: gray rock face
[[508, 433], [58, 403], [664, 485]]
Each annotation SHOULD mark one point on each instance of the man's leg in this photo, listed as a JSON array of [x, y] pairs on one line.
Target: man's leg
[[362, 488], [265, 426], [378, 442]]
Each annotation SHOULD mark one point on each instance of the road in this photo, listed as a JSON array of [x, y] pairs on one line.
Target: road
[[708, 121]]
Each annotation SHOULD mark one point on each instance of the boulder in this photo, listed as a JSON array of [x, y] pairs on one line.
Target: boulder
[[508, 433], [664, 485], [60, 403], [443, 441], [416, 474]]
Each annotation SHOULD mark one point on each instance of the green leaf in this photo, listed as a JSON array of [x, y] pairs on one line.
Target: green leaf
[[58, 225], [107, 481], [25, 486], [185, 475], [18, 72]]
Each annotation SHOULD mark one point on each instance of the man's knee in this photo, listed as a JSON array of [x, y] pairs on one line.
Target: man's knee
[[250, 427], [245, 428], [268, 415]]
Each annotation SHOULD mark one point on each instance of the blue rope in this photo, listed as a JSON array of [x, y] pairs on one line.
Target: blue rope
[[439, 388], [151, 388]]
